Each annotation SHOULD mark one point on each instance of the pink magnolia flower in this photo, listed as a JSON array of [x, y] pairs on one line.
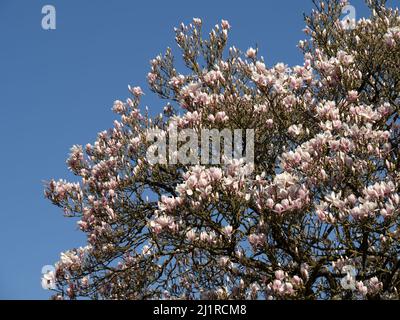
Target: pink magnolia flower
[[257, 240], [270, 123], [251, 53], [361, 288], [297, 281], [374, 285], [221, 117], [225, 25], [352, 96], [223, 261], [191, 235], [137, 91], [197, 21], [279, 274], [227, 231]]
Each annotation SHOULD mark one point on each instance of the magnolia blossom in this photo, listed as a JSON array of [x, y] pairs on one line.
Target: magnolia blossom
[[227, 231], [49, 280], [361, 288], [137, 91], [197, 21], [295, 130], [392, 36], [374, 285], [256, 240], [191, 235], [352, 95], [348, 282], [251, 53], [225, 24]]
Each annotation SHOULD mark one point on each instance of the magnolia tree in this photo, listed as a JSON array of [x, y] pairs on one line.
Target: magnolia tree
[[315, 214]]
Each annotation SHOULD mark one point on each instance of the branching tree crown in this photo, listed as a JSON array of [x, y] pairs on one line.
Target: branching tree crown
[[317, 215]]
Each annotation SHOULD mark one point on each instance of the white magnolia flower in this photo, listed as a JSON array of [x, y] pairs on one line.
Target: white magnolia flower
[[348, 282], [49, 280]]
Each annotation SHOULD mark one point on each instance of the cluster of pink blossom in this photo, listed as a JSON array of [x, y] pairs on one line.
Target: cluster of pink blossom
[[163, 222], [284, 286], [392, 37], [280, 79], [284, 194]]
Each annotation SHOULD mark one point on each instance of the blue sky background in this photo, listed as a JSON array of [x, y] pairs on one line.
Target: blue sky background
[[57, 88]]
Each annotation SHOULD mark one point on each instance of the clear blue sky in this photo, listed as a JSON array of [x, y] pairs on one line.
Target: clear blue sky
[[57, 88]]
